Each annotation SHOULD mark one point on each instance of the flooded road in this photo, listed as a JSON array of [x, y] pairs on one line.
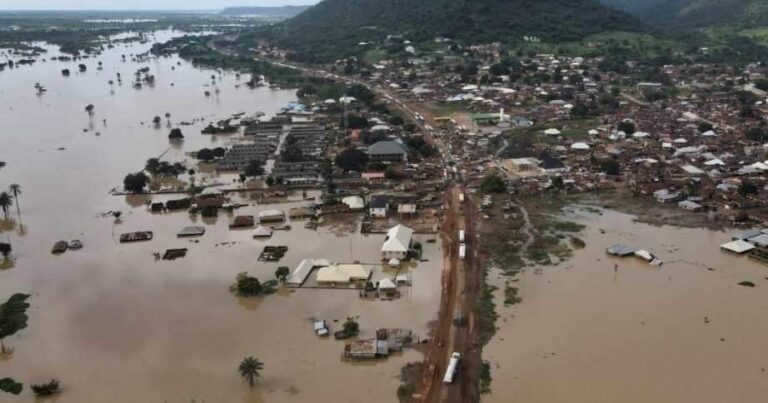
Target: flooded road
[[112, 323], [682, 332]]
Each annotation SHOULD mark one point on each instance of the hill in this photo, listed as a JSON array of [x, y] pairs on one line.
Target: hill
[[696, 13], [285, 11], [343, 23]]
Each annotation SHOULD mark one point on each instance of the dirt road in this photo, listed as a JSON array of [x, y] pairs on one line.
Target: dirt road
[[461, 285]]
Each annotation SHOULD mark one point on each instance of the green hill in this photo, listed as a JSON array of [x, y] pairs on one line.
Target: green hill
[[285, 11], [696, 13], [335, 24]]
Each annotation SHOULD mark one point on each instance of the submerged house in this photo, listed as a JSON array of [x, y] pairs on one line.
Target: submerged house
[[398, 243]]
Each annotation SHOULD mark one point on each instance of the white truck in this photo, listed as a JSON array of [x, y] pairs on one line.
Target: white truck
[[462, 251], [461, 197], [451, 370], [462, 236]]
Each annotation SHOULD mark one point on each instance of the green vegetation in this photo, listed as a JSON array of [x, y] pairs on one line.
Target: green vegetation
[[246, 286], [334, 28], [254, 168], [13, 317], [136, 182], [351, 328], [8, 385], [5, 250], [510, 296], [565, 226], [485, 377], [250, 370], [351, 159], [486, 310], [282, 273], [493, 183], [6, 202], [46, 389]]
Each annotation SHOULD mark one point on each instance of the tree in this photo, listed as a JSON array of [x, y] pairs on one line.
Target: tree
[[254, 168], [206, 154], [13, 317], [5, 249], [152, 166], [610, 167], [249, 369], [6, 201], [351, 159], [16, 191], [492, 183], [351, 327], [135, 183], [89, 109], [282, 273], [626, 127], [8, 385], [292, 153], [705, 127], [46, 389], [246, 286], [176, 134], [747, 188]]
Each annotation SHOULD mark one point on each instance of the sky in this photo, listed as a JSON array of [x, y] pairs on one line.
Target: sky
[[141, 4]]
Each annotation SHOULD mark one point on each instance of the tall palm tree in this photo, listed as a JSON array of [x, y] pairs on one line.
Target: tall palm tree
[[6, 201], [249, 370], [16, 191]]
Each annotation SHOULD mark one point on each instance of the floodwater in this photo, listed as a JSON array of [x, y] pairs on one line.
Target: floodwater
[[112, 323], [682, 332]]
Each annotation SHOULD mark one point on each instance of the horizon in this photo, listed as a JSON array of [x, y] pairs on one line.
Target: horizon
[[140, 5]]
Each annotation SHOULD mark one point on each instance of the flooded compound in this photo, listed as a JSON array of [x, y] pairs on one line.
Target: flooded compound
[[599, 328], [115, 322]]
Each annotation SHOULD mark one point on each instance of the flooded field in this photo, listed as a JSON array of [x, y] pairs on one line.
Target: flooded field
[[114, 324], [682, 332]]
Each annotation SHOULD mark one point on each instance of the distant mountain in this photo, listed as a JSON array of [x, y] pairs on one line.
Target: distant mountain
[[346, 22], [285, 11], [696, 13]]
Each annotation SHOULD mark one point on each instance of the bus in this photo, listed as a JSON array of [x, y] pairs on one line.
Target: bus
[[451, 370]]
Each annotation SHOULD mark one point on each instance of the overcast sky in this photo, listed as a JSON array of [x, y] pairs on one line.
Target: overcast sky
[[140, 4]]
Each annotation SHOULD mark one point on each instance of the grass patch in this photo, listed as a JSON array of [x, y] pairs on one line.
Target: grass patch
[[566, 226], [511, 296], [485, 377], [486, 311]]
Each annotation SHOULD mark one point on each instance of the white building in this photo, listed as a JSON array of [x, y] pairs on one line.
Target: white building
[[398, 243]]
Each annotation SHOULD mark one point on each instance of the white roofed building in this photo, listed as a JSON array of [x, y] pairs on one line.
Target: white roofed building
[[398, 243]]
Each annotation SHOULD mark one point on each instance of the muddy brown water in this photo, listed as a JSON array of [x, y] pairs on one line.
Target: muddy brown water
[[115, 325], [585, 333]]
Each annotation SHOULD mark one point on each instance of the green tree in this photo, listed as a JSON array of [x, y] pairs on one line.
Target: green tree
[[246, 286], [152, 166], [254, 168], [626, 127], [250, 370], [351, 327], [492, 183], [6, 201], [282, 273], [292, 153], [8, 385], [610, 167], [135, 183], [206, 154], [351, 159], [747, 188], [46, 389], [16, 191], [5, 249], [13, 317]]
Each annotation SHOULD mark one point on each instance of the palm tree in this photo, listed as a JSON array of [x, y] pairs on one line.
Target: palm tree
[[249, 370], [6, 201], [16, 191], [89, 108]]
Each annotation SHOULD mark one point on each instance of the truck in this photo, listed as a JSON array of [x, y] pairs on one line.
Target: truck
[[462, 251], [451, 370], [461, 197], [461, 236]]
